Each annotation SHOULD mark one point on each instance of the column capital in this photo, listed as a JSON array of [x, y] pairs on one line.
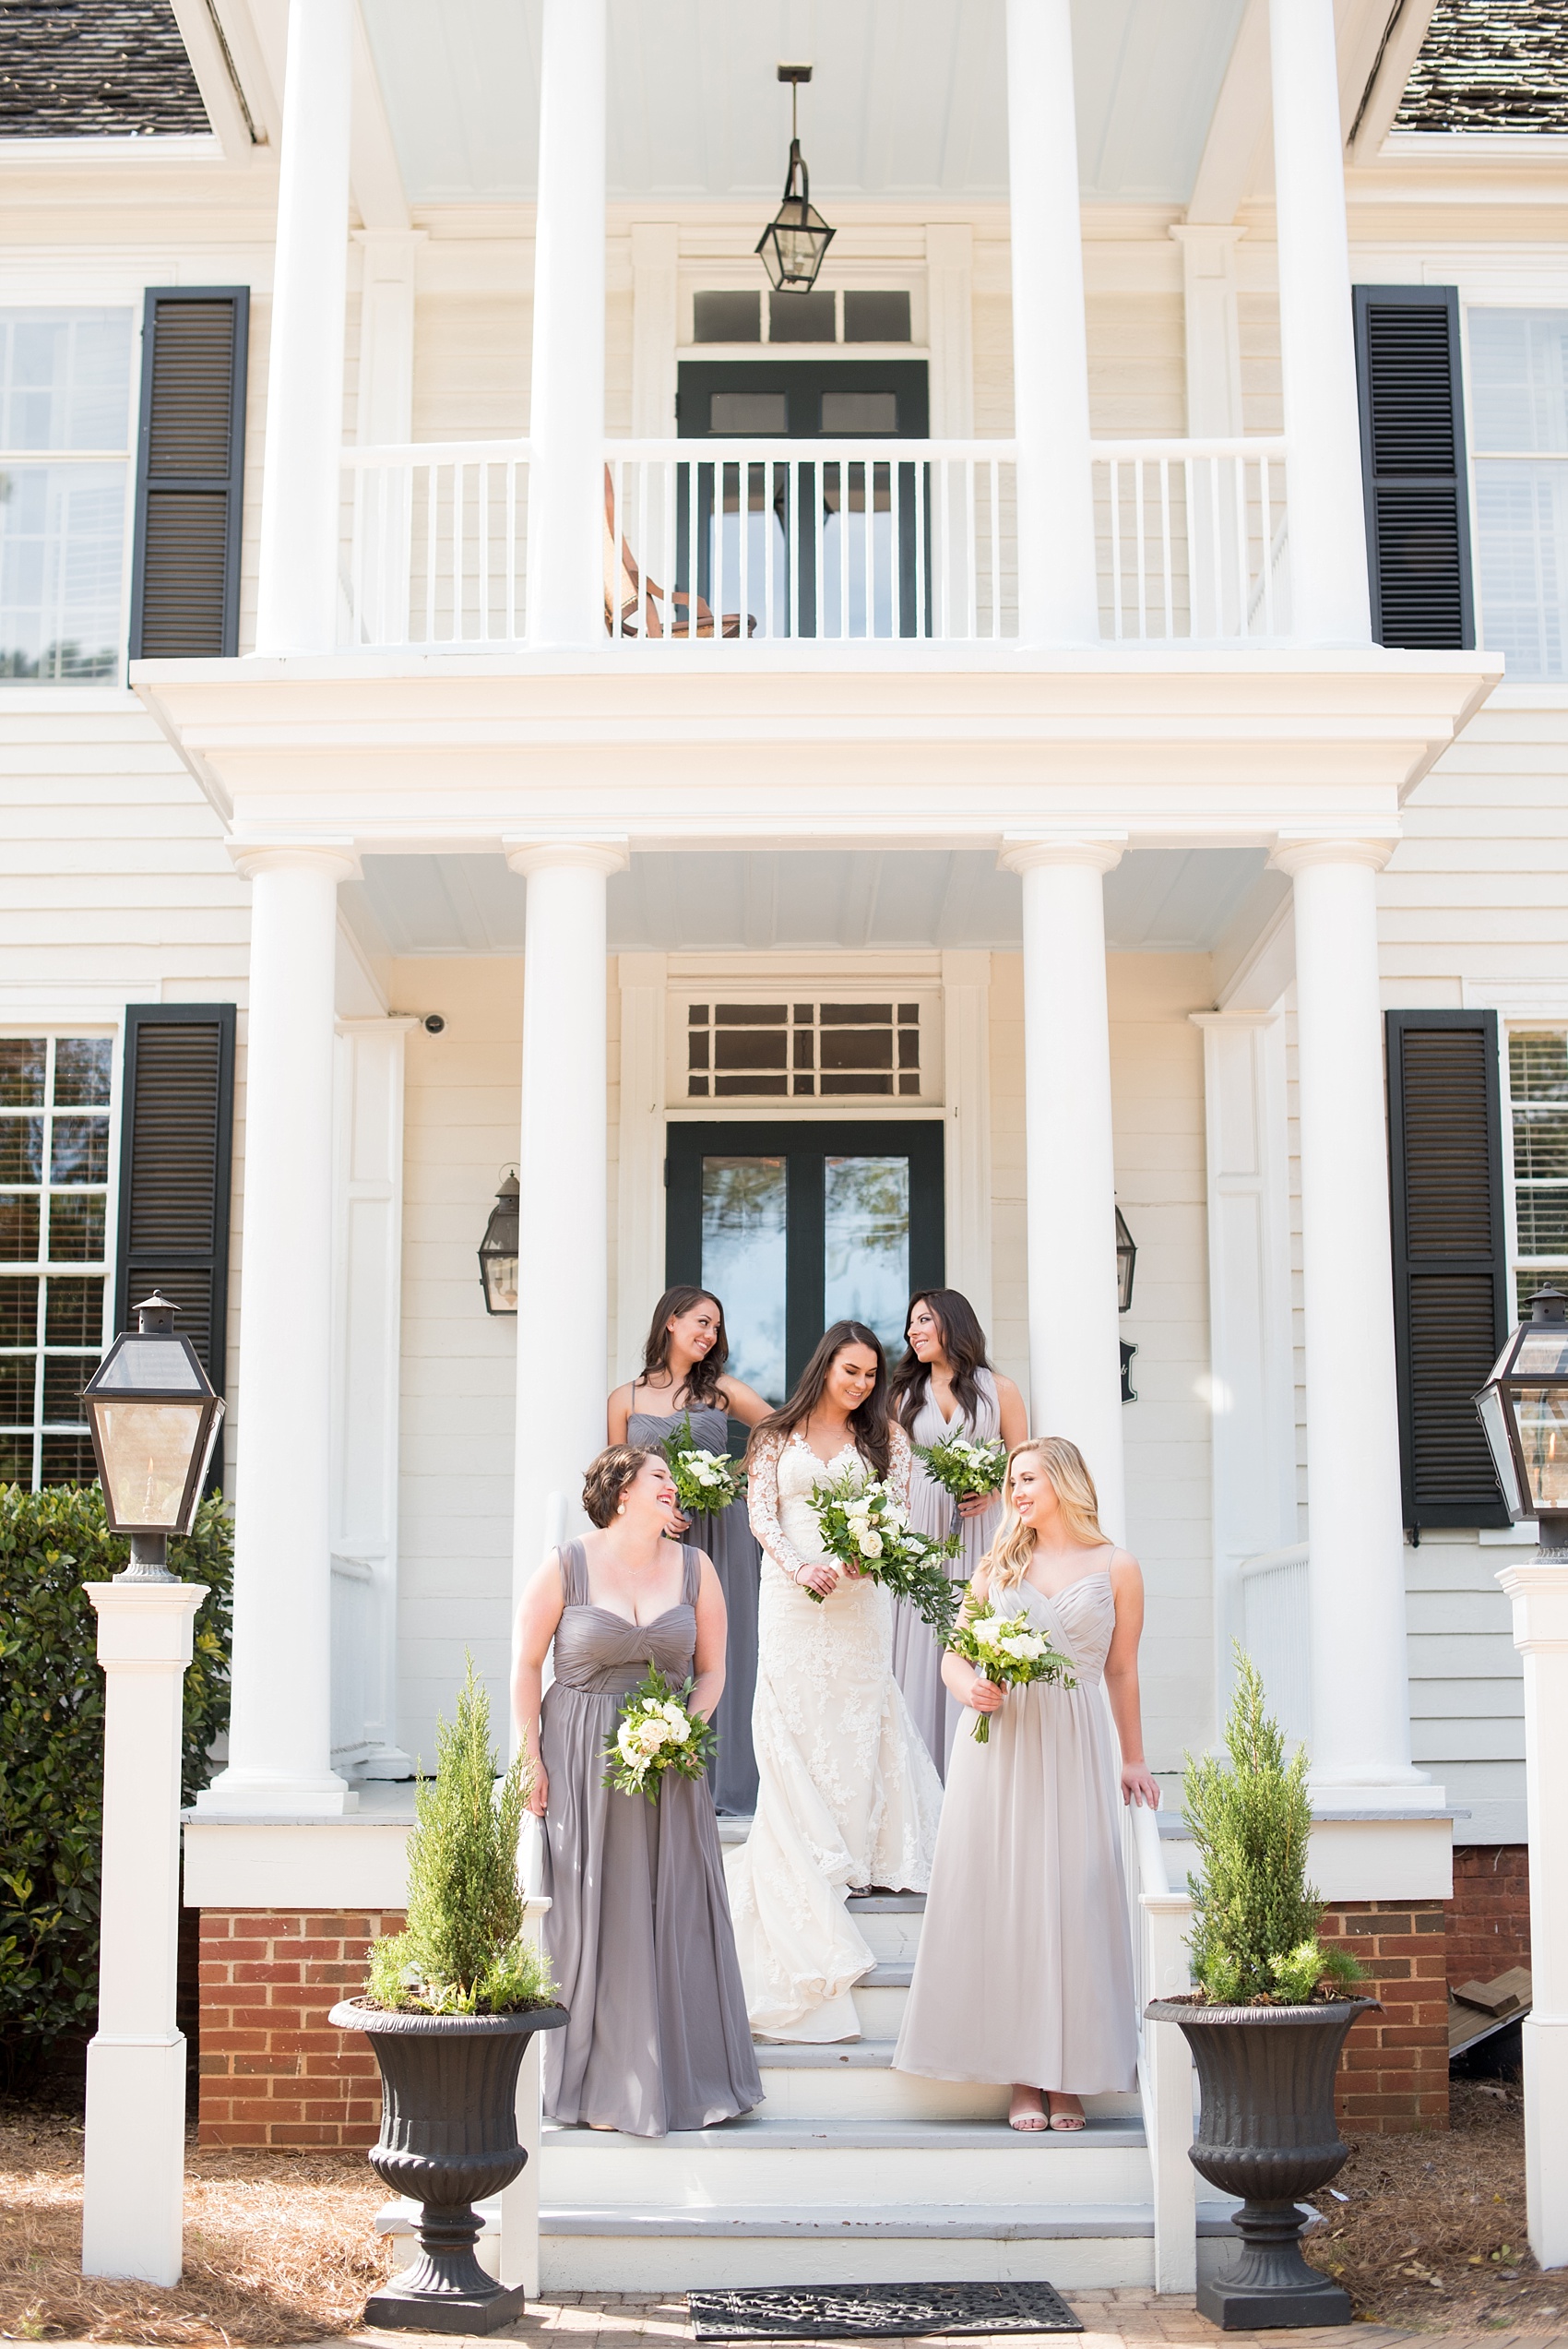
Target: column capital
[[1294, 852], [1021, 852], [337, 857], [610, 853], [145, 1623], [1539, 1588]]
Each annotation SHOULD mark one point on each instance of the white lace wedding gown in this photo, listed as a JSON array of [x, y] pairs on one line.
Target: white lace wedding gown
[[848, 1793]]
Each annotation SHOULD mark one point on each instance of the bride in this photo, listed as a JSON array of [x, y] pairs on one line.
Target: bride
[[849, 1797]]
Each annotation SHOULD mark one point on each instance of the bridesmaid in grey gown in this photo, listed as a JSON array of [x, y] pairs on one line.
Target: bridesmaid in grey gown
[[638, 1931], [945, 1386], [683, 1376]]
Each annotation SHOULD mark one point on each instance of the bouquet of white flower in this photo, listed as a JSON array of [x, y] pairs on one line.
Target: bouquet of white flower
[[967, 1471], [1006, 1649], [704, 1481], [655, 1733], [864, 1526]]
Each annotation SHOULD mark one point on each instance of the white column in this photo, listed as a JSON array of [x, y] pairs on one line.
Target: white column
[[1360, 1746], [1212, 331], [133, 2189], [297, 587], [656, 328], [966, 1085], [279, 1729], [1058, 596], [1540, 1592], [562, 1270], [1329, 600], [639, 1155], [950, 313], [1075, 1356], [566, 411]]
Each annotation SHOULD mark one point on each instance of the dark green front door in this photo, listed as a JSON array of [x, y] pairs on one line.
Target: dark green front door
[[795, 1225]]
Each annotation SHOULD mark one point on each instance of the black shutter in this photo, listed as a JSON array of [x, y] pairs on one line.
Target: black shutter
[[1450, 1257], [190, 466], [1413, 466], [176, 1147]]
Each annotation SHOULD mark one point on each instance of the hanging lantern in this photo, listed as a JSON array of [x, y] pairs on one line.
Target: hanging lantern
[[1524, 1410], [498, 1251], [155, 1417], [794, 243], [1126, 1258]]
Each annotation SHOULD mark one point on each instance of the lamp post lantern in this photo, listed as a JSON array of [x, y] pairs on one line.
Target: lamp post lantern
[[794, 243], [155, 1416], [1523, 1410], [498, 1251]]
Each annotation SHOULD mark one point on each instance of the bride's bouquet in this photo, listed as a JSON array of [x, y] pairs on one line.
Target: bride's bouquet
[[704, 1481], [655, 1733], [1008, 1649], [969, 1471], [864, 1526]]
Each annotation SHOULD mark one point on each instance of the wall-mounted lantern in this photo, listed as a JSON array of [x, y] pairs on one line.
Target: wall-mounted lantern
[[1524, 1410], [155, 1416], [1126, 1259], [498, 1251], [794, 243]]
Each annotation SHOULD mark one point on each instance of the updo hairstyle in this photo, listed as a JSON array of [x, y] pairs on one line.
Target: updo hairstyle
[[609, 1476]]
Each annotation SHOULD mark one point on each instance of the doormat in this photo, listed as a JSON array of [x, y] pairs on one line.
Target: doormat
[[878, 2311]]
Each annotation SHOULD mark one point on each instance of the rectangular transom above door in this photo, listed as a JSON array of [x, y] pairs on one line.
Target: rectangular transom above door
[[793, 1226]]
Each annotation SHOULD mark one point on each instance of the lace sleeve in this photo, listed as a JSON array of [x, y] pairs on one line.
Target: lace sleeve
[[901, 1463], [762, 1506]]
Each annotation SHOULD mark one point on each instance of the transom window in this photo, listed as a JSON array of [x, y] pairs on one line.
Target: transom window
[[55, 1101], [1538, 1084], [759, 1051], [1518, 376], [65, 460]]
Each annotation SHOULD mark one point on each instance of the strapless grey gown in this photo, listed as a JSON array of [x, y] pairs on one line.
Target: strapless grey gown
[[638, 1929], [726, 1534]]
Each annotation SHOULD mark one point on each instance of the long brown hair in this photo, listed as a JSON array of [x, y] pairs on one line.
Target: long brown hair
[[702, 1379], [962, 1342], [868, 1424], [1006, 1561]]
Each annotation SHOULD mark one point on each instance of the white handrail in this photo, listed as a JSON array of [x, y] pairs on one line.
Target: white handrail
[[1161, 1969], [1192, 539]]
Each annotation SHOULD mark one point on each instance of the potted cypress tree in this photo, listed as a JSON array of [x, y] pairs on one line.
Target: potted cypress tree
[[1266, 2020], [449, 2008]]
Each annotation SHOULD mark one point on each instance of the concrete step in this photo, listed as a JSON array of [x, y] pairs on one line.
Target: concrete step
[[890, 1921], [881, 1996], [637, 2252], [853, 2079]]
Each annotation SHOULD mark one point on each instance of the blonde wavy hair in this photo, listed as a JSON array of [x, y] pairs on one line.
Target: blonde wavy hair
[[1006, 1561]]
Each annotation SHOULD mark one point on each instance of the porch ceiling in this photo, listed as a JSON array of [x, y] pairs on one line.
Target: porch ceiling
[[1156, 900], [908, 103]]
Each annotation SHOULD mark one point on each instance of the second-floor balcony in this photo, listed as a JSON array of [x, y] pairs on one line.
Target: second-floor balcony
[[863, 548]]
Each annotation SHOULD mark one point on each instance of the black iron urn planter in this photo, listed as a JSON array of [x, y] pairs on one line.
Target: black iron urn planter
[[449, 2139], [1267, 2131]]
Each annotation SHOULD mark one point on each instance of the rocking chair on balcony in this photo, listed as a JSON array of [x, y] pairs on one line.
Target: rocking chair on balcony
[[636, 601]]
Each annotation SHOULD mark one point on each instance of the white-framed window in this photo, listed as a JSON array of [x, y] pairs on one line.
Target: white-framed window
[[55, 1153], [737, 1045], [1538, 1100], [1517, 373], [65, 481]]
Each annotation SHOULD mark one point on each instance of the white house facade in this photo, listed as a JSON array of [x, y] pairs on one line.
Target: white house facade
[[1083, 726]]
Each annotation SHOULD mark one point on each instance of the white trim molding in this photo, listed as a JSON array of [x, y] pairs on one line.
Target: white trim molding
[[639, 1198]]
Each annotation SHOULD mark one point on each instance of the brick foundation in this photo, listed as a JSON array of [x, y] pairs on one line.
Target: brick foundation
[[273, 2072], [1489, 1918], [1393, 2072]]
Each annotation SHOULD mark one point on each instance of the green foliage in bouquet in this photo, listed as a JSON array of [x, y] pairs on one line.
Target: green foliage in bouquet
[[1256, 1918], [655, 1732], [52, 1746], [866, 1527], [462, 1952], [704, 1481]]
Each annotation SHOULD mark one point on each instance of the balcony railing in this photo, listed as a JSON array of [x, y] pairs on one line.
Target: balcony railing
[[750, 542]]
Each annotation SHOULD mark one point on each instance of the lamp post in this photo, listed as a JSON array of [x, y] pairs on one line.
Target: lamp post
[[794, 243], [1524, 1410], [498, 1251], [155, 1418]]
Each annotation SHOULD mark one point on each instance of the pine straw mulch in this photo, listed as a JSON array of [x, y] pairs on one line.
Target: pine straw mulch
[[278, 2246], [1433, 2232]]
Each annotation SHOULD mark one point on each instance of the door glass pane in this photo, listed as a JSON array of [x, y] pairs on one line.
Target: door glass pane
[[743, 1211], [866, 1231]]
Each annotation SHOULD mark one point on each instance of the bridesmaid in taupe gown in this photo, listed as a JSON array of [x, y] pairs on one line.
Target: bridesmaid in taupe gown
[[1024, 1972], [639, 1932]]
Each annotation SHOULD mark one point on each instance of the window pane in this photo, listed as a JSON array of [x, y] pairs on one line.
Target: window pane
[[1540, 1145], [744, 1216], [1522, 519], [15, 1459], [21, 1150], [79, 1150], [16, 1374], [21, 1071], [82, 1071], [65, 379], [866, 1229], [73, 1313], [18, 1312], [76, 1228], [65, 1376], [62, 543], [1543, 1220], [18, 1228], [67, 1459], [1537, 1067], [1519, 379]]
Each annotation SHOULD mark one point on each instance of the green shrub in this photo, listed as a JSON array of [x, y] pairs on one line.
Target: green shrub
[[463, 1952], [1255, 1917], [52, 1743]]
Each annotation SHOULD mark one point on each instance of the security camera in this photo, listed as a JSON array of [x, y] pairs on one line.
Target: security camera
[[434, 1023]]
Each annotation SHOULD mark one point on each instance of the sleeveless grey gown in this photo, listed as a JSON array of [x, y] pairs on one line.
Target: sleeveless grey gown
[[726, 1534], [916, 1658], [638, 1930]]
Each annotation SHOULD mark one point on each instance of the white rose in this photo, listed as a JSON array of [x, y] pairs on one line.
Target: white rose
[[648, 1736], [896, 1520], [1024, 1645], [679, 1724], [988, 1634], [624, 1740], [868, 1543]]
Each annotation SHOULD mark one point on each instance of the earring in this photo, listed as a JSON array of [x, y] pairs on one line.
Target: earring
[[620, 1508]]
